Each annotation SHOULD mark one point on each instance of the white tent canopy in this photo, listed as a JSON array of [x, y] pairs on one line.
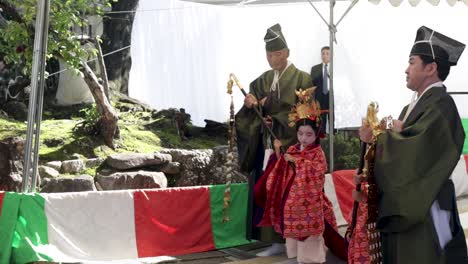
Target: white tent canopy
[[246, 2], [260, 2]]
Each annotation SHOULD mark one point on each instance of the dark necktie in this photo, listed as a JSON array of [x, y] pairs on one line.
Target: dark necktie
[[325, 79]]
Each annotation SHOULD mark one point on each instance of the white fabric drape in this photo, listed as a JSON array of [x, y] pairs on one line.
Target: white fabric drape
[[183, 53]]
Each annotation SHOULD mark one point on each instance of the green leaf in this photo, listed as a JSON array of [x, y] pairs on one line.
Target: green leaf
[[65, 15]]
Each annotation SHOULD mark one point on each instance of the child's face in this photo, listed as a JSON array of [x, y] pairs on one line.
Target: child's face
[[306, 135]]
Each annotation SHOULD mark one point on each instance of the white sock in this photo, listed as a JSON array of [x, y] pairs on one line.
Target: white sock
[[275, 249]]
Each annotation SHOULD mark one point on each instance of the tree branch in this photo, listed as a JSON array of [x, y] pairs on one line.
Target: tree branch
[[102, 66]]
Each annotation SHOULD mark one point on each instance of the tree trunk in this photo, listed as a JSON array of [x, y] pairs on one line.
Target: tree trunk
[[108, 122], [9, 11], [102, 67], [117, 34]]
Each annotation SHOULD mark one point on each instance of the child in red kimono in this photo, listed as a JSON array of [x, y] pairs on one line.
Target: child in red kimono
[[296, 205]]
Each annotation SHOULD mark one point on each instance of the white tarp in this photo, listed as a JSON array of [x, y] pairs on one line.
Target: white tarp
[[182, 52], [261, 2], [72, 89]]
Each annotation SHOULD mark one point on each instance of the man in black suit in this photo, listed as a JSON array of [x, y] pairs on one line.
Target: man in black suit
[[320, 79]]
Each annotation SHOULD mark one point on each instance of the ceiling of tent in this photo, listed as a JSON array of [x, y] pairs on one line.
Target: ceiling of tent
[[260, 2], [251, 2]]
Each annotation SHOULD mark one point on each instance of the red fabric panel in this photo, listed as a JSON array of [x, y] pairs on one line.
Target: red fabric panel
[[344, 186], [173, 221]]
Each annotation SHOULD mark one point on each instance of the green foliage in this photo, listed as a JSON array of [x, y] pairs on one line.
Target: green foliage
[[346, 149], [88, 125], [17, 39]]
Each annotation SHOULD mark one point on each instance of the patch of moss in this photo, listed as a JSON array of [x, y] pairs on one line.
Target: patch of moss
[[137, 138], [90, 171], [170, 139], [11, 128], [66, 141], [68, 175]]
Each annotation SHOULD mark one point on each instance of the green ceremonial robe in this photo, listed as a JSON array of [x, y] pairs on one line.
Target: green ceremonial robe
[[252, 136], [412, 170]]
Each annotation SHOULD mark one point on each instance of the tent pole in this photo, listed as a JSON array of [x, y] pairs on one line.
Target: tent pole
[[332, 31], [35, 100], [40, 99], [331, 114]]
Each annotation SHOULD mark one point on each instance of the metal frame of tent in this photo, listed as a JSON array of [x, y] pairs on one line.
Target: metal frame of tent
[[36, 99]]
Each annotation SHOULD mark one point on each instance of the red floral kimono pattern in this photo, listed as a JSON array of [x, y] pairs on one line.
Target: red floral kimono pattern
[[296, 205], [358, 250]]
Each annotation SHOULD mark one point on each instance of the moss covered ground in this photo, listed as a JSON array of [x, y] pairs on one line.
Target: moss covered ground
[[60, 137]]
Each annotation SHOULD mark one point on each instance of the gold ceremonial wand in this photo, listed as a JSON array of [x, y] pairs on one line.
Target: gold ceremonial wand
[[230, 157]]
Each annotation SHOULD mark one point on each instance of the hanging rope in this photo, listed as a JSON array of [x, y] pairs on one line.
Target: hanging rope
[[107, 54]]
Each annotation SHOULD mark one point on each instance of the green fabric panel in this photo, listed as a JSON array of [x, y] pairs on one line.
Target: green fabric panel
[[8, 218], [31, 230], [465, 127], [231, 233], [23, 228]]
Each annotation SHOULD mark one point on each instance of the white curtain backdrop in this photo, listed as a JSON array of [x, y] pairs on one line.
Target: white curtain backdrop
[[182, 52]]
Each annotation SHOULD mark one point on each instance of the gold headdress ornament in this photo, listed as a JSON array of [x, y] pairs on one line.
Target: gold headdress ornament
[[305, 108]]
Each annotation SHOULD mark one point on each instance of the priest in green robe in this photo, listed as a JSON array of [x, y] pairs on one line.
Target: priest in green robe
[[273, 94], [417, 210]]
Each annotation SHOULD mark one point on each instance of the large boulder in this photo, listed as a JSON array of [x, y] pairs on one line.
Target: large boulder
[[194, 166], [18, 110], [54, 165], [132, 180], [96, 162], [171, 168], [205, 167], [48, 172], [217, 129], [11, 164], [223, 162], [72, 166], [125, 161], [80, 183]]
